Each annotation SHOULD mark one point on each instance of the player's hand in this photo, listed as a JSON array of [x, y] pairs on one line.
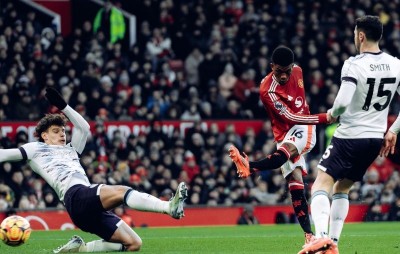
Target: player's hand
[[389, 144], [330, 118], [55, 98]]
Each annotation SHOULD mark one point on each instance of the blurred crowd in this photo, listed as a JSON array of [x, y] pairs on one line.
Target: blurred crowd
[[193, 60]]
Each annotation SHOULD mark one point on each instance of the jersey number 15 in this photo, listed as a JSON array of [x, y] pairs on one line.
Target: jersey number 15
[[381, 93]]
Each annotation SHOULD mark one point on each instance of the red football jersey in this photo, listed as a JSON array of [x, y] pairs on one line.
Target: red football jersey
[[286, 104]]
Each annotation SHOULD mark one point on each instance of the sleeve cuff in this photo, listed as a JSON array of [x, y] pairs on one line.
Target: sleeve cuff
[[322, 118]]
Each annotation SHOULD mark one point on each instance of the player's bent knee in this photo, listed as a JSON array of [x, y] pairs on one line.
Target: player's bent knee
[[135, 245], [129, 238]]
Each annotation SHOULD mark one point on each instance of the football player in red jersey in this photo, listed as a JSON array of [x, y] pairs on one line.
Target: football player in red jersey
[[283, 96]]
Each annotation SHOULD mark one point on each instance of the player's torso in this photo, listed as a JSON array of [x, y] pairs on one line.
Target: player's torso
[[291, 94], [377, 81], [56, 164]]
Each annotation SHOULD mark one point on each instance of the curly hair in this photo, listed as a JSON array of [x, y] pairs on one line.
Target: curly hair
[[47, 121]]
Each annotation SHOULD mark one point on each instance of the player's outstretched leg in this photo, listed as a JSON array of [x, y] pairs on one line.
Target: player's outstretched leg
[[72, 245], [176, 202]]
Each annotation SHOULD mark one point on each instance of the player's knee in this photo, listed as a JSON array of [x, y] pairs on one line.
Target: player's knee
[[134, 245], [296, 175], [120, 191]]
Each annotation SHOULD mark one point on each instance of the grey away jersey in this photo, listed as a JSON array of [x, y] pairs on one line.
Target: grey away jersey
[[58, 165], [376, 77]]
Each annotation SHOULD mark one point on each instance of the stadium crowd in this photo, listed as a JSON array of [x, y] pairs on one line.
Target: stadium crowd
[[194, 60]]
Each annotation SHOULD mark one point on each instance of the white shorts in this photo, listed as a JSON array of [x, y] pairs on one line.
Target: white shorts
[[303, 137]]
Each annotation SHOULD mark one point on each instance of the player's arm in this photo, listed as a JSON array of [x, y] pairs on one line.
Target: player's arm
[[344, 97], [395, 127], [12, 154], [81, 131], [282, 111], [389, 143], [347, 89], [82, 127]]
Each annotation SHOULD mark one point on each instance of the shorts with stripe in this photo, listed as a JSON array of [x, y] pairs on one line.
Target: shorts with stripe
[[349, 158], [303, 137], [86, 211]]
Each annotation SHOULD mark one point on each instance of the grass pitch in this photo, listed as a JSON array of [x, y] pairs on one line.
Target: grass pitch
[[364, 238]]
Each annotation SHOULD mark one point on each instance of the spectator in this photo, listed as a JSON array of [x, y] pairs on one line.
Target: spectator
[[190, 166], [384, 167], [121, 212], [375, 212], [245, 86], [261, 195], [110, 21], [394, 210], [192, 63], [5, 197], [371, 184], [227, 81], [159, 47], [50, 200], [191, 113], [247, 217]]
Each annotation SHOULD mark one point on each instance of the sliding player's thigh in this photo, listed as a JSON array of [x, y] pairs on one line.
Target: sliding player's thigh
[[87, 212]]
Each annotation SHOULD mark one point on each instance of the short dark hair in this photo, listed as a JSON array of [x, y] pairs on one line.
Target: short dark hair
[[47, 121], [371, 26], [282, 56]]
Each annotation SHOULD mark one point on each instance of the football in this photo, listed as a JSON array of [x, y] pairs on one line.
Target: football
[[15, 230]]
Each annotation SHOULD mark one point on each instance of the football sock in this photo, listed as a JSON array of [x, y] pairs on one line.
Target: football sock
[[272, 161], [320, 209], [101, 245], [145, 202], [300, 205], [339, 210]]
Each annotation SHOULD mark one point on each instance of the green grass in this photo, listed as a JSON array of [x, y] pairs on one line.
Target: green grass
[[364, 238]]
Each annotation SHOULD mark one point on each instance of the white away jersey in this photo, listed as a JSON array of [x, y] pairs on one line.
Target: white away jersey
[[376, 77], [58, 165]]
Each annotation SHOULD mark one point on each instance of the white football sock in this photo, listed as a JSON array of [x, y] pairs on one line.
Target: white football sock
[[339, 210], [101, 245], [145, 202], [320, 209]]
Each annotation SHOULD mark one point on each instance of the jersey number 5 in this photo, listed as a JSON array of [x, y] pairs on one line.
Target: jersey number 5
[[381, 93]]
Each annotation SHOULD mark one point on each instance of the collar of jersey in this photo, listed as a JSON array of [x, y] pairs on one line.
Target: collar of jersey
[[373, 53]]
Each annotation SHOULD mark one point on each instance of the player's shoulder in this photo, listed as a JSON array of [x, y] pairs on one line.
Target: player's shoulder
[[354, 59], [32, 146], [34, 143], [297, 69], [391, 58], [266, 81]]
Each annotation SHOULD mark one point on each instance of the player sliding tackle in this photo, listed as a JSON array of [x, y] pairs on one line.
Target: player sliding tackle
[[283, 96], [87, 204]]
